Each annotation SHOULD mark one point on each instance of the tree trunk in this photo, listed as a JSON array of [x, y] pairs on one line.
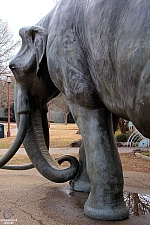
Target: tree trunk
[[123, 125]]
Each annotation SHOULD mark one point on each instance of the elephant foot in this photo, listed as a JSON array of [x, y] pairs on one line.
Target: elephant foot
[[105, 211], [80, 185]]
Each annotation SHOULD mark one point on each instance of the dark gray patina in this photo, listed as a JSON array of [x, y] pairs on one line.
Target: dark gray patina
[[97, 53]]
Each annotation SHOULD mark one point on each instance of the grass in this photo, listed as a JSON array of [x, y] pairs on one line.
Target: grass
[[19, 159], [60, 136], [5, 143], [63, 135], [146, 153]]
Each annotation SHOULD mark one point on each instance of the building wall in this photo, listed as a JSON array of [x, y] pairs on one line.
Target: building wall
[[56, 117], [2, 114]]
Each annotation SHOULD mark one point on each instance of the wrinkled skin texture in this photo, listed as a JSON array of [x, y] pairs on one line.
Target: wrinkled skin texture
[[97, 54]]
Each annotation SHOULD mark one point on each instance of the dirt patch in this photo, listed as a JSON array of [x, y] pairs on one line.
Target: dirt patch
[[132, 163]]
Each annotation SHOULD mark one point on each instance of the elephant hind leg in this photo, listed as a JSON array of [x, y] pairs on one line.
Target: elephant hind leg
[[82, 182]]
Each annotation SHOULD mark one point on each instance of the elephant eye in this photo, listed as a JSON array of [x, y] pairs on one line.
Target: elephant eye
[[12, 67]]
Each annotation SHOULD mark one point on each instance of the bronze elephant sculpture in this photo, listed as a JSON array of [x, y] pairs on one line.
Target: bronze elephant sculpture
[[98, 54]]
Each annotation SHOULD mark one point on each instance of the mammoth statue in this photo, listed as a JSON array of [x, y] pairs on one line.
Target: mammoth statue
[[98, 54]]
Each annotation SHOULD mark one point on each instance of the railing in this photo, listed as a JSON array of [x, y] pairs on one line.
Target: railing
[[135, 138]]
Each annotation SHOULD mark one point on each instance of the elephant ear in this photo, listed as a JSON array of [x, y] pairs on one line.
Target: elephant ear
[[39, 38], [36, 38]]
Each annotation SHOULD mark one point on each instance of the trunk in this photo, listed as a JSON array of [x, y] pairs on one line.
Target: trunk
[[45, 126], [36, 142], [38, 153]]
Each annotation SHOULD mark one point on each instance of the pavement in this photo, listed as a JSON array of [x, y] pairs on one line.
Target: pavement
[[68, 150], [27, 198]]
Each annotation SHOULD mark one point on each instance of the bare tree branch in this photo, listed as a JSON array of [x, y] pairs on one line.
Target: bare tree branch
[[7, 47]]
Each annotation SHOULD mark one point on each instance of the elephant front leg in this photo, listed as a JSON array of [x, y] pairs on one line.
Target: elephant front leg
[[104, 168]]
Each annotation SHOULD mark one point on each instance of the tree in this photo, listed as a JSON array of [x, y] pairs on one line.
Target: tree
[[7, 47], [123, 125], [12, 112], [60, 104]]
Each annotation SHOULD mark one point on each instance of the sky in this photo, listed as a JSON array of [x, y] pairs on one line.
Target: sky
[[24, 13]]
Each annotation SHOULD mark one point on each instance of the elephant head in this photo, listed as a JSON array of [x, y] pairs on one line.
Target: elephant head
[[33, 90]]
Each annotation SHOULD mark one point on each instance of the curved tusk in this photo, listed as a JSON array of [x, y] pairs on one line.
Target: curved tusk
[[23, 126], [21, 167]]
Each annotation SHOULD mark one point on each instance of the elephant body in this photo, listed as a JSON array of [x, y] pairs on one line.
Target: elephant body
[[103, 47], [96, 53]]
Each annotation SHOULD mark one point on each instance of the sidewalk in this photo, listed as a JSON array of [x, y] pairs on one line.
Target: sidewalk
[[28, 198], [68, 150]]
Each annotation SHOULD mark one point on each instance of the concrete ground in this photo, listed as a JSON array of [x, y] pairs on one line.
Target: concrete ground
[[66, 150], [27, 198]]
